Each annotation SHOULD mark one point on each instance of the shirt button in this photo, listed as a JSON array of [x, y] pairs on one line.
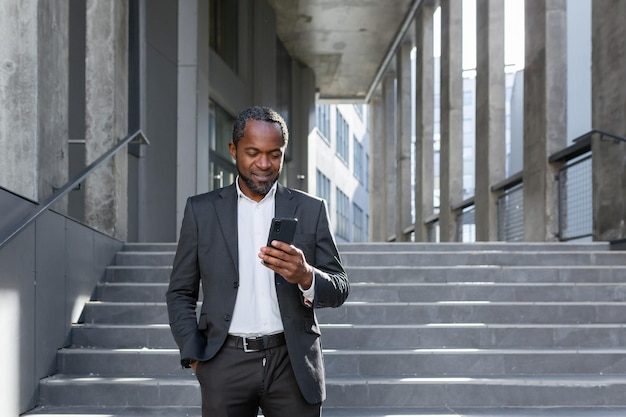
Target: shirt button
[[227, 317], [236, 284]]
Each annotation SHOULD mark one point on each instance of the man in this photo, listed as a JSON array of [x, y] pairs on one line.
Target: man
[[256, 342]]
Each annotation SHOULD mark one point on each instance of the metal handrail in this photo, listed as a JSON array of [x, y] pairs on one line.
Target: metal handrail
[[582, 144], [17, 227]]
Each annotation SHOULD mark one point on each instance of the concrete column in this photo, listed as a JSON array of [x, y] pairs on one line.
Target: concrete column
[[378, 205], [490, 114], [34, 89], [545, 129], [403, 149], [302, 122], [264, 54], [609, 104], [424, 120], [389, 152], [106, 114], [189, 106], [451, 154]]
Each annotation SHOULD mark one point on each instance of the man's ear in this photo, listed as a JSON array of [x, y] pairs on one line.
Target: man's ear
[[233, 150]]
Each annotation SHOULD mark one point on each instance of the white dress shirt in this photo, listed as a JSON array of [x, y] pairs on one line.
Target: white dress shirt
[[256, 308]]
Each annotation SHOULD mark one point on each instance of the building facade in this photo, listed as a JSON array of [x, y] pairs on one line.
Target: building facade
[[339, 168]]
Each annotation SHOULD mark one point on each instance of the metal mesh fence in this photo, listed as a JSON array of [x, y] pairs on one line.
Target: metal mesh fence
[[575, 200], [466, 225], [511, 215]]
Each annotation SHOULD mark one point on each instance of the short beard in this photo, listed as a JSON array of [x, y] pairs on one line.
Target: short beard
[[262, 189]]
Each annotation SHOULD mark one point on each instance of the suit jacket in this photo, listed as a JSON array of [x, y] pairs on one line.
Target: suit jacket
[[207, 252]]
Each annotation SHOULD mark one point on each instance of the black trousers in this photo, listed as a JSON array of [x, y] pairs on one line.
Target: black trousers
[[236, 384]]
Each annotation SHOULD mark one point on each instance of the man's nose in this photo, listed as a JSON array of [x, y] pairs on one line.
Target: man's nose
[[263, 161]]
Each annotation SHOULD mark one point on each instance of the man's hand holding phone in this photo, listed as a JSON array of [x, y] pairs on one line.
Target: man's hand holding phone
[[282, 257]]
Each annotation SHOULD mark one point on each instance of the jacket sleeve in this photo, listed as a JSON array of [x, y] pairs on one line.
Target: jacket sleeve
[[331, 280], [183, 290]]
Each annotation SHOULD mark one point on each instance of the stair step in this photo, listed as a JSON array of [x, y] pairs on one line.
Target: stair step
[[466, 391], [158, 247], [368, 247], [381, 259], [348, 336], [131, 291], [478, 391], [426, 274], [487, 273], [447, 361], [418, 361], [129, 258], [398, 313], [113, 336], [346, 412], [88, 390], [468, 291], [148, 274], [475, 312], [421, 292], [479, 336]]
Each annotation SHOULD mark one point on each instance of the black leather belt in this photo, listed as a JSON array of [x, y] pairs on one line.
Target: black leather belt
[[254, 344]]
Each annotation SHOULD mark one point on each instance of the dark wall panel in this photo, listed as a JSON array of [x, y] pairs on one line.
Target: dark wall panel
[[50, 323], [47, 272]]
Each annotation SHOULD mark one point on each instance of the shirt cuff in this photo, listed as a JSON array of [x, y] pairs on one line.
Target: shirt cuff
[[309, 295]]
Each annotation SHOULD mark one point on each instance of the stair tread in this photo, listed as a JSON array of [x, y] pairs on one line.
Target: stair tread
[[400, 351], [501, 380], [345, 412]]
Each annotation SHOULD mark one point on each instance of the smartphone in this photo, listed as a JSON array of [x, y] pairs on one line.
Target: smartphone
[[283, 230]]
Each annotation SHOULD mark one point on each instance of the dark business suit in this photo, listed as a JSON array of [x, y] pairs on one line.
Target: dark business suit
[[208, 253]]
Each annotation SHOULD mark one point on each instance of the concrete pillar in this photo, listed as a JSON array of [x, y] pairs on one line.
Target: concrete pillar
[[490, 114], [34, 89], [403, 149], [378, 205], [389, 152], [609, 104], [451, 154], [264, 53], [545, 129], [302, 122], [190, 106], [424, 121], [106, 114]]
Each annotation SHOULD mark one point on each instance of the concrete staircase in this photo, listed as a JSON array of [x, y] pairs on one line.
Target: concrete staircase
[[429, 330]]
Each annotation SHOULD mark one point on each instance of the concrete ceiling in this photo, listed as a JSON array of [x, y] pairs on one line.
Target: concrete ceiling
[[347, 43]]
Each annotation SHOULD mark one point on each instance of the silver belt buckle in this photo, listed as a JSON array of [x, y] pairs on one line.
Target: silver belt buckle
[[245, 346]]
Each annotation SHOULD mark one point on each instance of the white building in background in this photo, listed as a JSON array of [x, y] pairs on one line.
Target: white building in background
[[339, 167]]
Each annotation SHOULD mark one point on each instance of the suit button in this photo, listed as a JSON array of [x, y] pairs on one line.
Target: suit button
[[227, 317], [236, 284]]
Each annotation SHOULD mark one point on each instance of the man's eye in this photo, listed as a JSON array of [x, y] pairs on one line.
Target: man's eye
[[276, 155]]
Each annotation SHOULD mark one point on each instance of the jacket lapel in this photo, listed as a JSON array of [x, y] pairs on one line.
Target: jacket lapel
[[285, 203], [226, 209]]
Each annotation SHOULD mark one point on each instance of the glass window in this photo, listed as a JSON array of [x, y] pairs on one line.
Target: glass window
[[323, 187], [343, 215], [222, 169], [359, 171], [357, 224], [342, 138], [322, 116], [224, 31]]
